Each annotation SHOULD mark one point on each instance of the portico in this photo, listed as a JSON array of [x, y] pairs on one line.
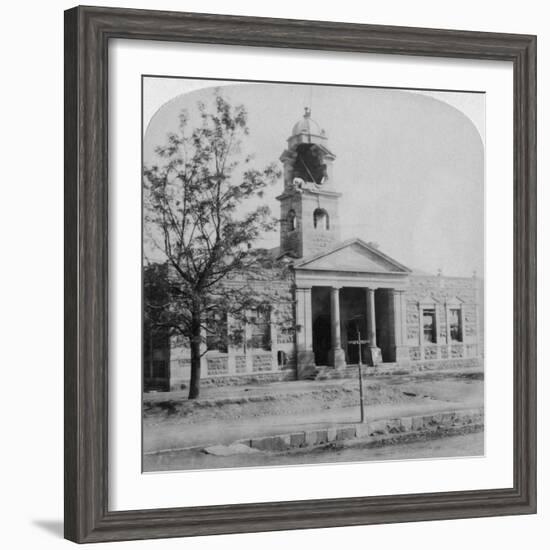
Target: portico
[[352, 289]]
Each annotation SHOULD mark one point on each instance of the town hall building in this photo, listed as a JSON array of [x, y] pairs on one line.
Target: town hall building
[[351, 302]]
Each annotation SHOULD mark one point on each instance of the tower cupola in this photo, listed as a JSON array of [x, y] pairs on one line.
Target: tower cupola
[[308, 127], [309, 203]]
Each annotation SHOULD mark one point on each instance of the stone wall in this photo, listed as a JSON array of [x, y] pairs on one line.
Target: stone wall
[[443, 294], [243, 362], [306, 239], [291, 239], [318, 240], [437, 293]]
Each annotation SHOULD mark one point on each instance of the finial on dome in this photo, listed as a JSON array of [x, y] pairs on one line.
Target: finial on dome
[[306, 126]]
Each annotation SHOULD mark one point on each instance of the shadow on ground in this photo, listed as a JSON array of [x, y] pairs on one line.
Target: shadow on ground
[[52, 526]]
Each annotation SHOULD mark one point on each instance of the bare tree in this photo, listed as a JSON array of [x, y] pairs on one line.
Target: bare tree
[[195, 213]]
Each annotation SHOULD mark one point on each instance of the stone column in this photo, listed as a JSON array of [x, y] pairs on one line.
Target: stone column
[[374, 355], [448, 329], [397, 318], [421, 329], [247, 348], [337, 357], [231, 352], [401, 353], [371, 318], [480, 345], [305, 360], [437, 339], [273, 340]]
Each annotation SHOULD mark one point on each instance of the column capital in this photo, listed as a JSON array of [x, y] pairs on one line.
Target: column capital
[[303, 287]]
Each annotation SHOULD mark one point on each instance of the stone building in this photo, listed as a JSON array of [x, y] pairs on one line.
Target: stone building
[[350, 301]]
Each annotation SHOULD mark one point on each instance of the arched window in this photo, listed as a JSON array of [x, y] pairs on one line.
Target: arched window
[[320, 219], [292, 220]]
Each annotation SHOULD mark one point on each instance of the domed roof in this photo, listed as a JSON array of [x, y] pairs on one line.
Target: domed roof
[[307, 125]]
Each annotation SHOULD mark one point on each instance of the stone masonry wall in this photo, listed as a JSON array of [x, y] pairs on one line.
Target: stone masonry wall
[[243, 362], [442, 294]]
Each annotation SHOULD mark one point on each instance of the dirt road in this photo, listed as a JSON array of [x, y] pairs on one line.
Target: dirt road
[[455, 446], [224, 415]]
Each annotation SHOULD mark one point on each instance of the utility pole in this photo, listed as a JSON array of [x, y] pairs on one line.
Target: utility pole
[[360, 368]]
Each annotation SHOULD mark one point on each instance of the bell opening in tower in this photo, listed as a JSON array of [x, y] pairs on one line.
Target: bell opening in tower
[[309, 165]]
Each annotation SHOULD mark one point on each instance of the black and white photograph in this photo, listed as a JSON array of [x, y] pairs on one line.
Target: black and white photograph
[[274, 275], [313, 261]]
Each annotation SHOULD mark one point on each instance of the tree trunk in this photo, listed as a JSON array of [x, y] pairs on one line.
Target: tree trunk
[[194, 383]]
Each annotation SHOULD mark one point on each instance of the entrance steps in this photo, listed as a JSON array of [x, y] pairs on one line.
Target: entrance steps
[[327, 372], [351, 371]]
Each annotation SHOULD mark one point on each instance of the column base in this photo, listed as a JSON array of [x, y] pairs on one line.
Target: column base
[[374, 356], [337, 358], [305, 364]]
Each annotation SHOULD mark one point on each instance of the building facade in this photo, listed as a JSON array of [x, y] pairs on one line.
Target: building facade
[[349, 301]]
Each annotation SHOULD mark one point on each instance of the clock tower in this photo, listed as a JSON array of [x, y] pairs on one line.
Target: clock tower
[[309, 202]]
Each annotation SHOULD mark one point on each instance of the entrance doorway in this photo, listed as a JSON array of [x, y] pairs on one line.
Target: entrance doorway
[[320, 316], [321, 339]]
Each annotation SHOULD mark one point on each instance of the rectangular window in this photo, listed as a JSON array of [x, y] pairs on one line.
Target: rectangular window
[[428, 320], [216, 332], [260, 332], [455, 327]]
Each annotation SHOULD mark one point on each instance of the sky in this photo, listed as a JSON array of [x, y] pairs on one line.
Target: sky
[[409, 164]]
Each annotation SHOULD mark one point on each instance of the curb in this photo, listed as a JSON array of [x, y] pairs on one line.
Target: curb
[[386, 426]]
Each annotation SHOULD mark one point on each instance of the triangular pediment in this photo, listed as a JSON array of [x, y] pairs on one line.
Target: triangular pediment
[[355, 256]]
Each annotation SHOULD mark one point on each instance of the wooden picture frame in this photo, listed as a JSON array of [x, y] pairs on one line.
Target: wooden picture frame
[[87, 34]]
